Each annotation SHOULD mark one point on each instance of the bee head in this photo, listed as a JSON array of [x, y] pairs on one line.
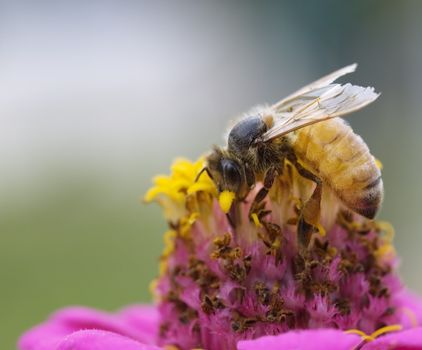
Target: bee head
[[227, 175], [225, 171], [231, 176]]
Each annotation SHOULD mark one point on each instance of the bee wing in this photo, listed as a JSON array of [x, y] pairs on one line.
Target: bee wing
[[317, 102], [285, 103]]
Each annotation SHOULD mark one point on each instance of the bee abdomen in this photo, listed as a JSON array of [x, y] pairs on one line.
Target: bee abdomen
[[342, 160]]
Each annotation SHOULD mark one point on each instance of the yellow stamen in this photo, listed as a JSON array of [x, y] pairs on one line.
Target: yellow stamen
[[378, 164], [332, 251], [255, 219], [162, 267], [168, 239], [153, 289], [202, 186], [277, 244], [192, 218], [386, 329], [363, 335], [377, 333], [186, 224], [321, 230], [226, 199], [388, 230], [171, 347], [385, 250], [297, 201]]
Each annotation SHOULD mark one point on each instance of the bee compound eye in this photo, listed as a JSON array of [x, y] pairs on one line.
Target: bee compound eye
[[231, 172]]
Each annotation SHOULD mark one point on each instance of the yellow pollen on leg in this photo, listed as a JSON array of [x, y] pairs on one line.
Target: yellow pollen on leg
[[255, 219], [225, 200]]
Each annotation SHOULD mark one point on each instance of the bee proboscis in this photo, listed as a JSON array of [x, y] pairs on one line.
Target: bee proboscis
[[303, 129]]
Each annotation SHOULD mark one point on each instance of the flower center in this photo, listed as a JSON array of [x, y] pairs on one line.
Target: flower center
[[241, 275]]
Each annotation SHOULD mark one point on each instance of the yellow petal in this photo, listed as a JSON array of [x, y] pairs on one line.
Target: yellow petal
[[208, 187], [152, 194]]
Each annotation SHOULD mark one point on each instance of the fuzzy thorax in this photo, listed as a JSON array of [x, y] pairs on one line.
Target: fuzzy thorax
[[222, 280]]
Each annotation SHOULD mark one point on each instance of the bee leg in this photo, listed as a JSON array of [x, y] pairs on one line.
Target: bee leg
[[310, 213], [230, 220], [250, 177], [262, 193], [250, 183], [309, 217]]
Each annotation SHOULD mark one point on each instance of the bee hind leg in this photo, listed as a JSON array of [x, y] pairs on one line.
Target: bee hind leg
[[309, 216]]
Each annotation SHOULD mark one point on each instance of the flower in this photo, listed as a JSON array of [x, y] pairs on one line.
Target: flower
[[136, 328], [243, 281]]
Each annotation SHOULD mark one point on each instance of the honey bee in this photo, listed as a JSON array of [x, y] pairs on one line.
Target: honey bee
[[303, 129]]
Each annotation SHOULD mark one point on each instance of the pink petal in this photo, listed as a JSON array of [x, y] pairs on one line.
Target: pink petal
[[138, 323], [411, 308], [101, 340], [410, 339], [317, 339], [144, 320]]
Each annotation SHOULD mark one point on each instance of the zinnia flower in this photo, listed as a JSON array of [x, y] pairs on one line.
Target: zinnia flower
[[242, 281]]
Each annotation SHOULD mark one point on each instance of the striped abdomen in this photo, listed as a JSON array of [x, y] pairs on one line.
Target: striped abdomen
[[339, 157]]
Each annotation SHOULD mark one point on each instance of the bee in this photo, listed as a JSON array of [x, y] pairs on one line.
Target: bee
[[304, 129]]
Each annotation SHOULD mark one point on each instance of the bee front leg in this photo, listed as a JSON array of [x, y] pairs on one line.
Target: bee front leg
[[250, 177], [310, 214], [249, 183], [262, 193]]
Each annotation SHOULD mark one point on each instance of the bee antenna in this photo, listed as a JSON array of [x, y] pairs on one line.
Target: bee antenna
[[201, 172]]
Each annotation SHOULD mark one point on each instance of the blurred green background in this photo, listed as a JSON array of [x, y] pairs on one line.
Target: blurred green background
[[96, 97]]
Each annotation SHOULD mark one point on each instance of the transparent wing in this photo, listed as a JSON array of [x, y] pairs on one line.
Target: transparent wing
[[317, 102], [286, 103]]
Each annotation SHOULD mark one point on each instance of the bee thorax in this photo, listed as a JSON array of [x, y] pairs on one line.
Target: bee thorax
[[244, 134]]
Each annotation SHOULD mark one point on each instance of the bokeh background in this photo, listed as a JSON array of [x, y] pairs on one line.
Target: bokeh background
[[96, 97]]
